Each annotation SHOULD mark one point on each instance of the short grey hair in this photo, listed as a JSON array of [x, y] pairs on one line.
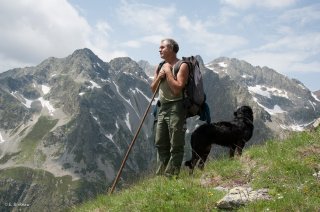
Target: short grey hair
[[174, 45]]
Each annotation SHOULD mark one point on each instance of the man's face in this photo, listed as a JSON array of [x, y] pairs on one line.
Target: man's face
[[165, 50]]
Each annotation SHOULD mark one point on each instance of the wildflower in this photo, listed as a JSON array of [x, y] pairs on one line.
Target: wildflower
[[279, 196]]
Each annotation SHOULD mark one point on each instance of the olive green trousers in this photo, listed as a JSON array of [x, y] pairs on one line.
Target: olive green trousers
[[170, 137]]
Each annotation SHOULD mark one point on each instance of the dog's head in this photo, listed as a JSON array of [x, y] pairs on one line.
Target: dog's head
[[244, 112]]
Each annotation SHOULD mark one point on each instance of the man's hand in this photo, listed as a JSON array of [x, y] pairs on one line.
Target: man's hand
[[166, 68], [162, 74]]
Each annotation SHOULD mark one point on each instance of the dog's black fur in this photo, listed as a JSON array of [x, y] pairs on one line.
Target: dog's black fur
[[232, 134]]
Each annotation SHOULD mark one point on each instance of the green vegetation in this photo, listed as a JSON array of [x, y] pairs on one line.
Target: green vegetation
[[286, 168], [30, 142], [7, 157], [42, 191]]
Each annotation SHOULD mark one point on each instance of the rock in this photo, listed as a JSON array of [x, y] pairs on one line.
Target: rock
[[221, 188], [239, 196], [316, 123], [317, 175]]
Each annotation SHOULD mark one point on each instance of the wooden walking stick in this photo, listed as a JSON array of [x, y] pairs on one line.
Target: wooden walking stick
[[132, 142]]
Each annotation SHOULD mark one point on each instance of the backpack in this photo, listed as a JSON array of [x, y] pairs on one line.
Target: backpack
[[193, 94]]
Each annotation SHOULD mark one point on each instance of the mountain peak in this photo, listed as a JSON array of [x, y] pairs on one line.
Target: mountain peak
[[85, 54], [127, 65], [85, 51]]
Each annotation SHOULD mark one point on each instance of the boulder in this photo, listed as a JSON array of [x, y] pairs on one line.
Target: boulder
[[239, 196]]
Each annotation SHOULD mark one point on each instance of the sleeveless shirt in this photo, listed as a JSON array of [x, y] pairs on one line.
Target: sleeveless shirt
[[165, 93]]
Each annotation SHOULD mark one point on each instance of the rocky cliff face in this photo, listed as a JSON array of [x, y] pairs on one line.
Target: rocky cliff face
[[66, 124], [74, 117], [317, 93], [285, 104]]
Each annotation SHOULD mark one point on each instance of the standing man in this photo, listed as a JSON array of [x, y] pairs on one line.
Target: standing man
[[171, 125]]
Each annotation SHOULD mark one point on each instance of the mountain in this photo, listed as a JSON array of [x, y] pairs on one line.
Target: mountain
[[71, 118], [147, 67], [286, 104], [317, 93], [65, 125]]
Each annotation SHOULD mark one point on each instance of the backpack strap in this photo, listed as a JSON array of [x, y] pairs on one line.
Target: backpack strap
[[160, 66], [177, 67]]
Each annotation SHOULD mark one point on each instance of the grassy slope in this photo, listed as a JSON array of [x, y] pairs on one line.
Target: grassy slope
[[286, 168], [30, 142]]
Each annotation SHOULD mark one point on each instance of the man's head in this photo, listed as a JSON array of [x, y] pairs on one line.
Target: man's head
[[168, 47], [172, 44]]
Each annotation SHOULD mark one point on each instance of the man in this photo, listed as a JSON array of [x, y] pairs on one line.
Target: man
[[171, 124]]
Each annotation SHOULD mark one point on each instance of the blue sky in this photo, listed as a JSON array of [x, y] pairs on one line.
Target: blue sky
[[281, 34]]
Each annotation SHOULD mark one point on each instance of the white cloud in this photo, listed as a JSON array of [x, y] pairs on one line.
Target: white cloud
[[34, 30], [289, 54], [211, 43], [290, 44], [244, 4], [100, 42], [302, 16], [146, 18], [132, 44], [153, 39]]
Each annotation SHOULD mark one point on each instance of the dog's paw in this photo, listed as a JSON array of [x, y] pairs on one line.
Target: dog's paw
[[201, 166]]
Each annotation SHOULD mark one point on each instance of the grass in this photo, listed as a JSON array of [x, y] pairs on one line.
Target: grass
[[30, 142], [286, 168]]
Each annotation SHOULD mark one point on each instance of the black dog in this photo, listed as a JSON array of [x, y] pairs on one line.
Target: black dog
[[232, 134]]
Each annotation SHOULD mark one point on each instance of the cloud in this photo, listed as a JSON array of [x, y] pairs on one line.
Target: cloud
[[146, 19], [245, 4], [210, 43], [38, 28], [302, 16], [292, 53], [132, 44], [34, 30], [99, 42]]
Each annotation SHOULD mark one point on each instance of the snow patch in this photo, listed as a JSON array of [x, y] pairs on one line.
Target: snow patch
[[95, 118], [276, 109], [81, 94], [223, 64], [110, 137], [268, 91], [118, 90], [145, 96], [24, 101], [246, 76], [47, 104], [210, 67], [303, 87], [315, 97], [298, 128], [1, 139], [27, 103], [312, 104], [45, 89], [94, 85], [128, 121]]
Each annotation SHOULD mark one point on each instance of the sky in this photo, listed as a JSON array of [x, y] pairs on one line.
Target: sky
[[281, 34]]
